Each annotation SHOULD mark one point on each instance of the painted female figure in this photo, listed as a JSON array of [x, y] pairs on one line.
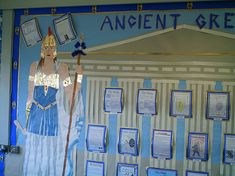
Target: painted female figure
[[49, 94]]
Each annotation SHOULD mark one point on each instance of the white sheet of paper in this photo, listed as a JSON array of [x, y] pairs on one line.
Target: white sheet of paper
[[230, 149], [30, 32], [147, 101], [64, 29], [162, 144], [113, 100], [196, 174], [125, 170], [218, 105], [160, 172], [181, 103], [128, 141], [96, 138], [95, 169]]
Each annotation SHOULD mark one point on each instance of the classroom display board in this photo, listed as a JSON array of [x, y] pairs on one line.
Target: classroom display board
[[0, 36], [141, 118]]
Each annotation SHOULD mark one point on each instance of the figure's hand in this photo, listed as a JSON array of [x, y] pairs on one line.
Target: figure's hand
[[79, 71], [18, 125]]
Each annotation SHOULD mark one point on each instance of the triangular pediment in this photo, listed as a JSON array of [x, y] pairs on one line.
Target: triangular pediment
[[184, 43]]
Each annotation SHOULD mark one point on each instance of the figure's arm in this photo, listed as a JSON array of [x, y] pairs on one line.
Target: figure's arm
[[67, 82], [32, 72]]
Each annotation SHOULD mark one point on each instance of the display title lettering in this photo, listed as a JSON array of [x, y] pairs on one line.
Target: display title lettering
[[162, 21]]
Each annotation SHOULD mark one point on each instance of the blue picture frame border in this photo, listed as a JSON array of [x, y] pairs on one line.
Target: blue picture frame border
[[171, 144], [100, 162], [136, 166], [137, 102], [70, 26], [206, 156], [89, 9], [227, 109], [225, 141], [196, 172], [190, 115], [121, 100], [136, 141], [155, 168], [104, 139]]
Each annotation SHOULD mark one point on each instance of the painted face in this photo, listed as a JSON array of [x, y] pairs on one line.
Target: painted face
[[49, 51]]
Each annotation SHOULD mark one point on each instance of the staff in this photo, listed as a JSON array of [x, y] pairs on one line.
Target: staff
[[80, 45]]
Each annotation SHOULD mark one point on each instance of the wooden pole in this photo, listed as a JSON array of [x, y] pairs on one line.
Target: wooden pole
[[70, 117]]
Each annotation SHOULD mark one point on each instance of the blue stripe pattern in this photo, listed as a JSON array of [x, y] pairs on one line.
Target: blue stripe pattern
[[81, 143], [146, 124], [2, 166], [217, 132], [180, 132], [113, 125], [1, 153], [14, 81]]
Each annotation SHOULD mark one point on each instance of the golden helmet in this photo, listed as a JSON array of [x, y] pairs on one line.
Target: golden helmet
[[49, 40]]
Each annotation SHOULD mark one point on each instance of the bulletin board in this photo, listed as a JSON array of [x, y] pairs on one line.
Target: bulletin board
[[0, 34], [115, 25]]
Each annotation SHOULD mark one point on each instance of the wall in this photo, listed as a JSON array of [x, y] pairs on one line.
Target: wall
[[164, 75]]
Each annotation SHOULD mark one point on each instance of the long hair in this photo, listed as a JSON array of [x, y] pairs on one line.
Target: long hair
[[41, 62]]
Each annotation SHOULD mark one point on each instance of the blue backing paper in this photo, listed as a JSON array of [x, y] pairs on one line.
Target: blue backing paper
[[180, 130], [113, 124], [217, 132], [146, 123], [145, 141]]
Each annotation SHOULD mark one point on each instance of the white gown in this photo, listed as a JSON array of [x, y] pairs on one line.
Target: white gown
[[44, 155]]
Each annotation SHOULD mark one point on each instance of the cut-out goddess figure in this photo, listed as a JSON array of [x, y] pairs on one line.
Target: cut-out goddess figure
[[49, 93]]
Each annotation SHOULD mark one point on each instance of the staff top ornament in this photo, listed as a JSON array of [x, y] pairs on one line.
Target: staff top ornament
[[80, 46]]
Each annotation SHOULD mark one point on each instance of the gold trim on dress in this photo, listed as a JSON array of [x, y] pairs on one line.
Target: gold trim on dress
[[44, 107]]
